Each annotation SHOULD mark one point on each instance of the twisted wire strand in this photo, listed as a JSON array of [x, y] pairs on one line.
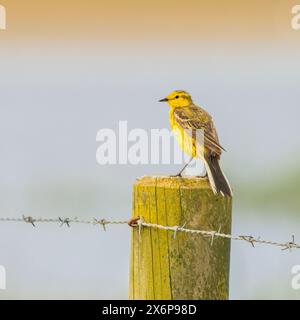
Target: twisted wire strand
[[140, 223]]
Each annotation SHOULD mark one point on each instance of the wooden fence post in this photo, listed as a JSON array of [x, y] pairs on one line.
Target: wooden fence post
[[189, 266]]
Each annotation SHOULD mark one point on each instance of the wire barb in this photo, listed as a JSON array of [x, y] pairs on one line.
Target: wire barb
[[140, 223], [29, 220], [290, 245], [176, 229], [65, 221], [249, 239], [102, 222]]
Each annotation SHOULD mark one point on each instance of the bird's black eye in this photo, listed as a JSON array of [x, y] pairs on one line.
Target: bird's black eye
[[177, 97]]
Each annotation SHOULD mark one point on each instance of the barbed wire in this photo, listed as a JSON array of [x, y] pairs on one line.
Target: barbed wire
[[213, 234], [140, 223], [63, 221]]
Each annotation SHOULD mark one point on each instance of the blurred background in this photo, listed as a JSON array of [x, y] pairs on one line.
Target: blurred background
[[71, 68]]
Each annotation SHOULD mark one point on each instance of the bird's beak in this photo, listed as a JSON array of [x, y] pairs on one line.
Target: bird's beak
[[163, 100]]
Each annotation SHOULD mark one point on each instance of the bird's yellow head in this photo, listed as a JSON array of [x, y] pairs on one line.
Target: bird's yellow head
[[178, 98]]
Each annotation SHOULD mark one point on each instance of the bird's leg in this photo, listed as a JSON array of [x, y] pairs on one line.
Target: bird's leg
[[180, 172]]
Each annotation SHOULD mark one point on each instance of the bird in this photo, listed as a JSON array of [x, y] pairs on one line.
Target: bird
[[197, 136]]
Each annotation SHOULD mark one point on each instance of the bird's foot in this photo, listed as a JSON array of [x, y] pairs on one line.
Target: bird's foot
[[178, 175], [204, 176]]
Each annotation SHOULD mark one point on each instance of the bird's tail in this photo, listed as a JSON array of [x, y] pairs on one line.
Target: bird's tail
[[216, 176]]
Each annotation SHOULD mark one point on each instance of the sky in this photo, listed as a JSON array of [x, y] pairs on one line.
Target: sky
[[133, 21]]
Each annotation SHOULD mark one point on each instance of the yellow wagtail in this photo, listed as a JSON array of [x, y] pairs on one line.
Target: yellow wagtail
[[189, 122]]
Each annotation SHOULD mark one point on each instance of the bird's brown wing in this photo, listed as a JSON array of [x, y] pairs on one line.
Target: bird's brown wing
[[194, 119]]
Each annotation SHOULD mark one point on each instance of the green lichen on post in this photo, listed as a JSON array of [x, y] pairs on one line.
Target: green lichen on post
[[187, 267]]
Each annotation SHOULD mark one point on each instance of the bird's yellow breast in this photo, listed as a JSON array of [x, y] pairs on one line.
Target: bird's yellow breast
[[184, 139]]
